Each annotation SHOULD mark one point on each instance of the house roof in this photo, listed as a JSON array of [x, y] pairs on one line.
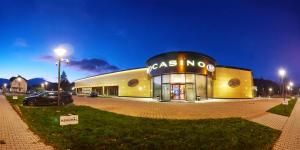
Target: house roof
[[13, 78]]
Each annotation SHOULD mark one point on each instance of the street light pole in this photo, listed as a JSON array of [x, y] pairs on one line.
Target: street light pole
[[58, 87], [282, 74], [60, 52]]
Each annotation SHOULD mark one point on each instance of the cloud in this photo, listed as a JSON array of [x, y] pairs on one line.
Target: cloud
[[94, 65], [21, 43]]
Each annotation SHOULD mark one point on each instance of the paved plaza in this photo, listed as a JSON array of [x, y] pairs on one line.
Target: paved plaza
[[172, 110], [14, 133]]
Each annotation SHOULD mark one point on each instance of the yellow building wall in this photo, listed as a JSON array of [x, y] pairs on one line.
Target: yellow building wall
[[120, 79], [221, 88]]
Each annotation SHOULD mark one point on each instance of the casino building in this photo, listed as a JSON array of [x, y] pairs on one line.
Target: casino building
[[181, 75]]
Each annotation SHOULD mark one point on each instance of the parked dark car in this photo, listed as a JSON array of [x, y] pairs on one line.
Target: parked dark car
[[48, 98], [93, 94]]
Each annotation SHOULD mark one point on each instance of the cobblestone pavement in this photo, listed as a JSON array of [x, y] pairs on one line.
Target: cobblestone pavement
[[271, 120], [14, 133], [168, 110], [290, 136]]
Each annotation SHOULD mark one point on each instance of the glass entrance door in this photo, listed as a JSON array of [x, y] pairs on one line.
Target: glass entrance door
[[178, 91]]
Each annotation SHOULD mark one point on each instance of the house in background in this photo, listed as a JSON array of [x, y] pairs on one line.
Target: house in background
[[18, 84]]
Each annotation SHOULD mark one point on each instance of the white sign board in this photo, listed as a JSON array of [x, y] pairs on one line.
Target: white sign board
[[68, 120], [15, 97]]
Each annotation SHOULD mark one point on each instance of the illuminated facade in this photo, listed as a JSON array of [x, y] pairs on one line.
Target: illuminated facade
[[170, 76]]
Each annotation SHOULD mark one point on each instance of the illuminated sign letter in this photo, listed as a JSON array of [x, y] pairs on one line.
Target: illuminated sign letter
[[172, 63], [154, 66], [210, 68], [163, 64], [189, 62], [201, 64], [181, 62]]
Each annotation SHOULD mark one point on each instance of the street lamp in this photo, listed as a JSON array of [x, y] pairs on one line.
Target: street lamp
[[270, 91], [282, 74], [60, 53], [46, 84], [291, 84], [42, 85]]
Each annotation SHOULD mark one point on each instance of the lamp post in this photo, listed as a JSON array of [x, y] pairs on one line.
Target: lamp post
[[60, 53], [291, 84], [282, 74]]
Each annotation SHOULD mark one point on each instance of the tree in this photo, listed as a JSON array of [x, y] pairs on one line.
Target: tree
[[64, 82]]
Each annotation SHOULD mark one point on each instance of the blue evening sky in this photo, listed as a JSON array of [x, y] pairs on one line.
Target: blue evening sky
[[260, 35]]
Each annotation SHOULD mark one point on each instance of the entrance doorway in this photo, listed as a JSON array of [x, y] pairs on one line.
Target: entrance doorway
[[178, 91]]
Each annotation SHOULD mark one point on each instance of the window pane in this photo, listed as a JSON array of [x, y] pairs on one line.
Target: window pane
[[157, 86], [190, 78], [166, 92], [166, 78], [177, 78], [201, 86]]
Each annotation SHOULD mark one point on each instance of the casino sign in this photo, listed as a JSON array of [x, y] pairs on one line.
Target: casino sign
[[181, 62]]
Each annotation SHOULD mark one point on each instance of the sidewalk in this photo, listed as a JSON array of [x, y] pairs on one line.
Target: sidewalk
[[290, 137], [14, 133]]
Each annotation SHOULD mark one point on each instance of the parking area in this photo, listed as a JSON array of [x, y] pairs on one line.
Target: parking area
[[247, 109]]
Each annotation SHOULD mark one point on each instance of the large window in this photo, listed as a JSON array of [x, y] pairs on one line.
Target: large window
[[177, 78], [201, 86], [189, 78], [182, 86], [157, 87], [166, 79]]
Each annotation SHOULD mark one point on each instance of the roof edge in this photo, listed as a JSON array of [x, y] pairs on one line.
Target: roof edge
[[111, 73], [232, 67]]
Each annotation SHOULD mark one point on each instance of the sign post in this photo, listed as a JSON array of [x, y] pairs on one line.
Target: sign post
[[69, 120]]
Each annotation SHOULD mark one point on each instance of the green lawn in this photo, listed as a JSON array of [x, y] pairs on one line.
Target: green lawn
[[15, 101], [104, 130], [284, 110]]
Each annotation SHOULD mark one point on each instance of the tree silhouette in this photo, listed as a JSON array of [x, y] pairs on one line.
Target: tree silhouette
[[64, 82]]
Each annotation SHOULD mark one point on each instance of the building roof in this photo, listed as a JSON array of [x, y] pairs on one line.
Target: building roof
[[177, 52], [13, 78], [110, 73], [231, 67]]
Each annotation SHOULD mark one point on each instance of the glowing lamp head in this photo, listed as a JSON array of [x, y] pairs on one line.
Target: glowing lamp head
[[270, 89], [46, 83], [281, 72], [291, 84], [60, 52], [5, 84]]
